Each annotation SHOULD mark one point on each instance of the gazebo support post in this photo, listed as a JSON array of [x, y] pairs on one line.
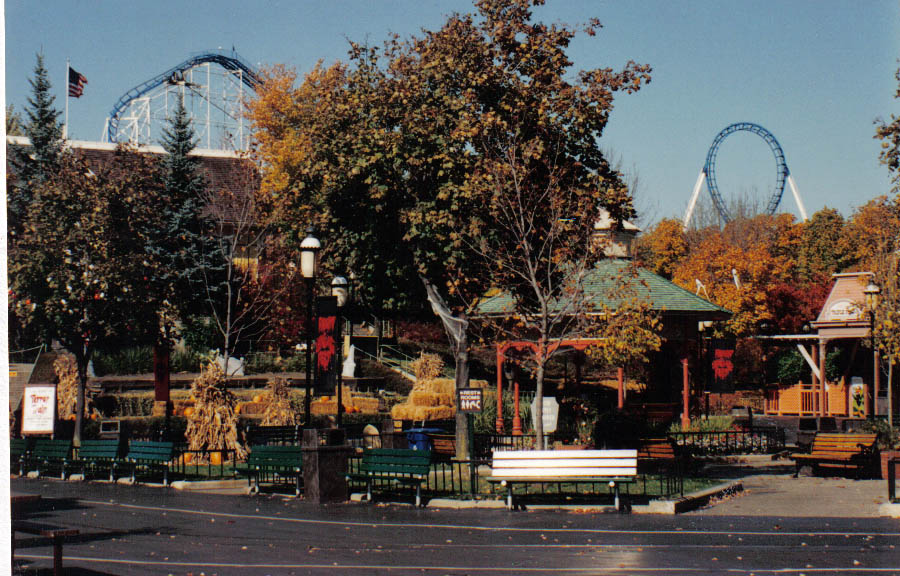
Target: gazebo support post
[[823, 349], [815, 380], [620, 373], [517, 420], [685, 395]]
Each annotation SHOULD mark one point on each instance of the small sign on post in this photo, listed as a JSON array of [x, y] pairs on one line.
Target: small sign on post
[[470, 400], [39, 409]]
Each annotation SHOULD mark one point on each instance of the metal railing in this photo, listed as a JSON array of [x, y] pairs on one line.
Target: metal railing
[[759, 440]]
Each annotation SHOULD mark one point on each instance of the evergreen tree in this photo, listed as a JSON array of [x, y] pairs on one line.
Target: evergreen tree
[[36, 164], [178, 247]]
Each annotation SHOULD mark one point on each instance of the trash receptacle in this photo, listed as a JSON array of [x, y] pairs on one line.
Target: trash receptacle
[[418, 437]]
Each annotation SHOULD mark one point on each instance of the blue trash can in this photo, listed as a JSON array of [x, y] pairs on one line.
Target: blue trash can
[[418, 438]]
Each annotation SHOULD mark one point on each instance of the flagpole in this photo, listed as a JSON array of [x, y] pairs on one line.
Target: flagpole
[[66, 125]]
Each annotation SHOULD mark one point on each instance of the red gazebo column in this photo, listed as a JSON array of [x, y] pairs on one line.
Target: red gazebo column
[[517, 420], [498, 424], [621, 377], [685, 395]]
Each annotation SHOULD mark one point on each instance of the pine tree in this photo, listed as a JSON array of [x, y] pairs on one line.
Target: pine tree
[[36, 164], [179, 246]]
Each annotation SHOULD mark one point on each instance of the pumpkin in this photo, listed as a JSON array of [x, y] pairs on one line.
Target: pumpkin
[[215, 458], [70, 417], [188, 411], [187, 457], [94, 416], [258, 398]]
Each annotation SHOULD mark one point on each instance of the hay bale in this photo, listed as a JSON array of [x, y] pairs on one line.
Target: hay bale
[[421, 398], [440, 385]]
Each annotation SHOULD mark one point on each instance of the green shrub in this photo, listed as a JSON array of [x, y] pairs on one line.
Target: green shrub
[[134, 404], [715, 423], [185, 360], [888, 438], [126, 361], [485, 422]]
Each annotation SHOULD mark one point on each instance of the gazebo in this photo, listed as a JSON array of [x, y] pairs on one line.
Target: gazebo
[[682, 312]]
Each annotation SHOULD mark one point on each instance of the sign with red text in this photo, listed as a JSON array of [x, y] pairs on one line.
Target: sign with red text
[[39, 409]]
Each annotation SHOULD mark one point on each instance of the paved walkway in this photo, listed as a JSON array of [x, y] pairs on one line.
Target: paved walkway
[[771, 490]]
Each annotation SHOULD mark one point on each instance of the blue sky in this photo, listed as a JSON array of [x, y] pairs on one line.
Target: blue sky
[[815, 74]]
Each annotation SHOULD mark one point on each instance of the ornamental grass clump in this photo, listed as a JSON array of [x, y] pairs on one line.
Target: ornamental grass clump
[[214, 423], [277, 402]]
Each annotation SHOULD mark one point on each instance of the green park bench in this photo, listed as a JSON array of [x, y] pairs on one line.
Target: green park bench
[[18, 452], [48, 455], [148, 457], [95, 456], [267, 463], [394, 466]]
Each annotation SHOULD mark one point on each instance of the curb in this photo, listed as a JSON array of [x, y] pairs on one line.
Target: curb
[[890, 510], [690, 501], [208, 485]]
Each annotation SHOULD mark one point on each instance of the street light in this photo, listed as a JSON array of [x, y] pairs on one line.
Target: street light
[[340, 289], [309, 263], [872, 292]]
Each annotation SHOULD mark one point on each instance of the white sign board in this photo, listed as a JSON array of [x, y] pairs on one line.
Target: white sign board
[[39, 409], [551, 414]]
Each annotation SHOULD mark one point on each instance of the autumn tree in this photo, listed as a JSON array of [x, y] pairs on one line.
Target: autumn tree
[[468, 156], [889, 134], [533, 176], [79, 271], [663, 247]]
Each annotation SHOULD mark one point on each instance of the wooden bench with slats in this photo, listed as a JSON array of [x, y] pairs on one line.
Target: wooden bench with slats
[[395, 466], [657, 453], [614, 467], [835, 449], [443, 446]]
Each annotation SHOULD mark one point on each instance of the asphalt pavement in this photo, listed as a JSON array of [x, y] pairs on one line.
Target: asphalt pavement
[[126, 530]]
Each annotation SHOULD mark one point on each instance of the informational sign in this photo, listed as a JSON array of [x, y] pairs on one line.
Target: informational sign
[[550, 415], [471, 400], [39, 409], [857, 398]]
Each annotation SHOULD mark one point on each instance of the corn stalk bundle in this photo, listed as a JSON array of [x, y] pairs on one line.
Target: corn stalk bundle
[[67, 390], [277, 402], [427, 366], [214, 422]]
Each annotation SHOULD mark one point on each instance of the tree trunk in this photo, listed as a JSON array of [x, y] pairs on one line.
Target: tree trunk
[[82, 363], [539, 403], [456, 328]]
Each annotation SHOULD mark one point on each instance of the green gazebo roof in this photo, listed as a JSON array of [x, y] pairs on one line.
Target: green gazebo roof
[[663, 295]]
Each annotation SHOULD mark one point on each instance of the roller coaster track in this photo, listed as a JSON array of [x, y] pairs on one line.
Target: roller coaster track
[[230, 62]]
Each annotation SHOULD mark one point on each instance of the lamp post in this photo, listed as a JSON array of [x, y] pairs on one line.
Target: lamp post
[[509, 370], [340, 289], [872, 292], [309, 262]]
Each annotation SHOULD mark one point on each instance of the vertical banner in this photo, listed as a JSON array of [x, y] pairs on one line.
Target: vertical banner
[[722, 366], [325, 335]]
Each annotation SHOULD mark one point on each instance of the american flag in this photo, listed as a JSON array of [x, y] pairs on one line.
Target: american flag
[[76, 83]]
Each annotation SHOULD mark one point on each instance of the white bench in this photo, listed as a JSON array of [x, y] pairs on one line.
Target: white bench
[[543, 466]]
